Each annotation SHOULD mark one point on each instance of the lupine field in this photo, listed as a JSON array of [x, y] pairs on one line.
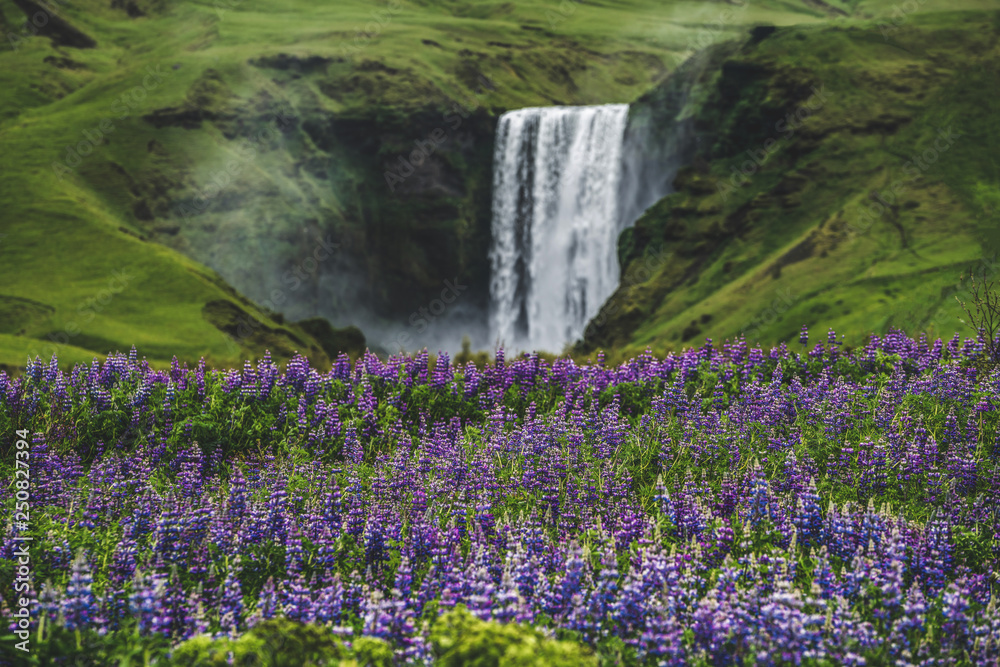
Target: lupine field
[[725, 505]]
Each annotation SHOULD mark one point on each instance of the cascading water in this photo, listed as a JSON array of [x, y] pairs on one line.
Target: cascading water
[[556, 221]]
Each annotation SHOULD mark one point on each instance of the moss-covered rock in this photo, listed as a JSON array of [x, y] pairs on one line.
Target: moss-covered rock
[[348, 340]]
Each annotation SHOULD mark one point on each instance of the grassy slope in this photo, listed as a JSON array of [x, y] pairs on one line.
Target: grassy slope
[[64, 237], [64, 244], [779, 251]]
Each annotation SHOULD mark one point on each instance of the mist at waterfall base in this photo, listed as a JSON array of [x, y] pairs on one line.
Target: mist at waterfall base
[[439, 324]]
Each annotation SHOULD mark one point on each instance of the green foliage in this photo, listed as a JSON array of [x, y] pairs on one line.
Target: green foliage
[[480, 359], [371, 652], [347, 340], [87, 648], [760, 247], [273, 643], [460, 639]]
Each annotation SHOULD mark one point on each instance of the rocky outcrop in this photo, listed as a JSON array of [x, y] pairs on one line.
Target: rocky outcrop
[[45, 19]]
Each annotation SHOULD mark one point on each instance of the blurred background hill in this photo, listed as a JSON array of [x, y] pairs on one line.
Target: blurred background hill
[[217, 179]]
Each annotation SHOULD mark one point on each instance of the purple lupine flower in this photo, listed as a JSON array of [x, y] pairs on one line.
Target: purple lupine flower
[[194, 619], [124, 561], [935, 558], [267, 604], [145, 603], [912, 620], [760, 503], [808, 519], [662, 640], [231, 602], [296, 599], [48, 605]]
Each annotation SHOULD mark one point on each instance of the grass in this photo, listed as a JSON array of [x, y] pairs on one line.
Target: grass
[[230, 67], [794, 229]]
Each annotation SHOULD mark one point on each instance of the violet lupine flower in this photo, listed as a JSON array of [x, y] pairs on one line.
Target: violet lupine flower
[[170, 543], [568, 593], [662, 640], [480, 593], [49, 606], [125, 558], [509, 605], [962, 465], [628, 611], [231, 602], [375, 537], [276, 508], [296, 599], [446, 485], [911, 622], [190, 474], [294, 553], [144, 602], [114, 609], [760, 504], [957, 625], [841, 535], [808, 519], [935, 559], [330, 602], [195, 618], [267, 604]]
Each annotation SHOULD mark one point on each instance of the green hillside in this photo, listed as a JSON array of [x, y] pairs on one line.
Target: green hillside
[[197, 147], [860, 214]]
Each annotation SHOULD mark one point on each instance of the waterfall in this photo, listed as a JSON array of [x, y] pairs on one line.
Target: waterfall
[[556, 221]]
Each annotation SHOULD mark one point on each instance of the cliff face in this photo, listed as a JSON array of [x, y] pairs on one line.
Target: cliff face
[[846, 184], [359, 217], [330, 161]]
